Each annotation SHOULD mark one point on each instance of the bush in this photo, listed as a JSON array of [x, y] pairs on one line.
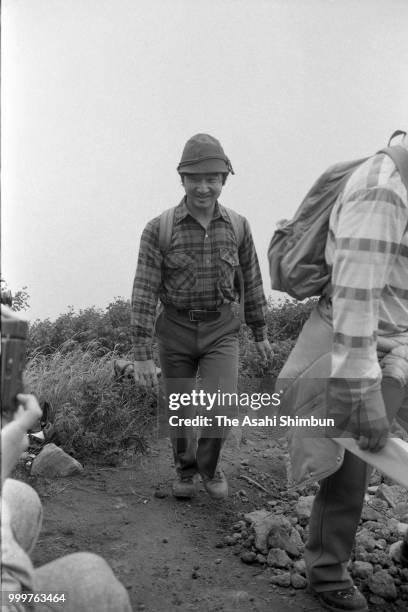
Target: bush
[[285, 320], [110, 328], [91, 413]]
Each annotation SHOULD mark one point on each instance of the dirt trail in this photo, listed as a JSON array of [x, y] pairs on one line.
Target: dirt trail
[[166, 551]]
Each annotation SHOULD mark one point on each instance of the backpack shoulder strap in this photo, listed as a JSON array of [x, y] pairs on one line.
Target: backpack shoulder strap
[[237, 223], [166, 229], [399, 156]]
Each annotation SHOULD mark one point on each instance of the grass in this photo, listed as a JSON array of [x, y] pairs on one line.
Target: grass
[[92, 413]]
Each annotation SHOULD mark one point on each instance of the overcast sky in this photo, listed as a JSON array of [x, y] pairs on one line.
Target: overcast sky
[[99, 97]]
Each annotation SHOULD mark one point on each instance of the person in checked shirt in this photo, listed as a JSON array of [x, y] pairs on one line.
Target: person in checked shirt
[[367, 253], [195, 279]]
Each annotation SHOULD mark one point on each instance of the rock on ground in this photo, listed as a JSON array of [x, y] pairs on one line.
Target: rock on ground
[[53, 462]]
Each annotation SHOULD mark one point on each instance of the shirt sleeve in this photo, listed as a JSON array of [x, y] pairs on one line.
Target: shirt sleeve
[[255, 302], [145, 293], [370, 227]]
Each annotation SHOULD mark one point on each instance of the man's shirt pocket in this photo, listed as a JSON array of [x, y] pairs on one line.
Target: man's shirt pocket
[[228, 264], [179, 271]]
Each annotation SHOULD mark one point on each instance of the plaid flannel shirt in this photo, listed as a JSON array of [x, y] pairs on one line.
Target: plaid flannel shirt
[[367, 250], [197, 272]]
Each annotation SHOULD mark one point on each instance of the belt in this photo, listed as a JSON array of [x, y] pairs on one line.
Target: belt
[[195, 315]]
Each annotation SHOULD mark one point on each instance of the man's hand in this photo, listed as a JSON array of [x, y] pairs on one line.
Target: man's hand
[[145, 373], [373, 436], [14, 439], [359, 413], [264, 349], [370, 424]]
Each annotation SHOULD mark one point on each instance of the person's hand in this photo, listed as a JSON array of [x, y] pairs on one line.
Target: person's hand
[[145, 373], [359, 413], [14, 439], [369, 422], [264, 349], [372, 435]]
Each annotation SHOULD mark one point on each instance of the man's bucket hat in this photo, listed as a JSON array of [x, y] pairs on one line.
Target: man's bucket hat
[[203, 154]]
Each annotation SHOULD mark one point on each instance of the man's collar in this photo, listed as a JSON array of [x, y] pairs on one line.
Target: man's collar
[[182, 211]]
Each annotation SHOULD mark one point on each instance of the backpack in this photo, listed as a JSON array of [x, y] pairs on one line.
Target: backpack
[[296, 252], [166, 232]]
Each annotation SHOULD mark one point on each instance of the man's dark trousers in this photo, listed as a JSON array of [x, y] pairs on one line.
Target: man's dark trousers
[[337, 509], [208, 349]]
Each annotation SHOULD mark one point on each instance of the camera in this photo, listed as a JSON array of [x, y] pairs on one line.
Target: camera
[[14, 330]]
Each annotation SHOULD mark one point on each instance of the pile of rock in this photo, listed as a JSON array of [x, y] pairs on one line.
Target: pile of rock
[[274, 537], [376, 564]]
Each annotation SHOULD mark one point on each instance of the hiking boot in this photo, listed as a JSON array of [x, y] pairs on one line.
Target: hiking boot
[[344, 600], [217, 486], [183, 488]]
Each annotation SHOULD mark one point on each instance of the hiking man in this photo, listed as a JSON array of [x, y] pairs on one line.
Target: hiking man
[[196, 277], [353, 351]]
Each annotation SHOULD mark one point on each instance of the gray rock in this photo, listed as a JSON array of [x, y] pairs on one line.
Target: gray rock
[[362, 569], [395, 551], [380, 558], [365, 539], [400, 511], [370, 514], [260, 521], [402, 528], [248, 557], [381, 531], [382, 584], [381, 543], [281, 579], [283, 536], [300, 567], [298, 581], [53, 462], [303, 508], [361, 554], [278, 558], [392, 525], [375, 509], [392, 494], [263, 523]]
